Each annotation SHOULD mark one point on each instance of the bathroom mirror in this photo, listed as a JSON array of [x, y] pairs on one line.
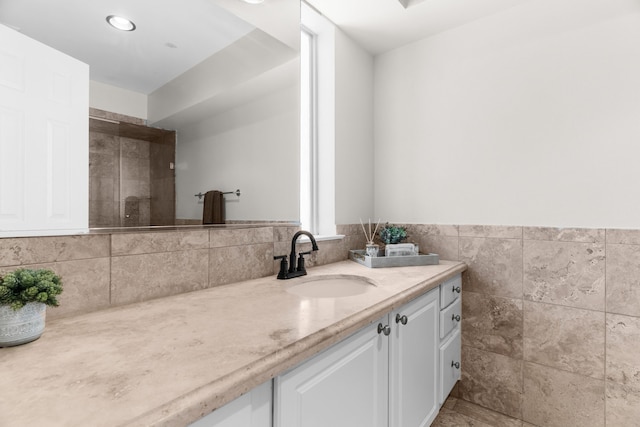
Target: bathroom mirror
[[235, 107]]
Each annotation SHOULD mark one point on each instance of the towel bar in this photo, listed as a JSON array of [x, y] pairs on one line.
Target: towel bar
[[200, 195]]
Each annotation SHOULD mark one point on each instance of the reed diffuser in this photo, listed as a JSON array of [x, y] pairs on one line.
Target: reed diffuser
[[371, 248]]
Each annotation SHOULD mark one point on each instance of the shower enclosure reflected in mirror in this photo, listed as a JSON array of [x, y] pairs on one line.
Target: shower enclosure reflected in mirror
[[233, 110], [131, 178]]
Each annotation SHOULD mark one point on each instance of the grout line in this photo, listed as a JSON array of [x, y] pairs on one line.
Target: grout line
[[606, 261], [110, 270], [522, 395]]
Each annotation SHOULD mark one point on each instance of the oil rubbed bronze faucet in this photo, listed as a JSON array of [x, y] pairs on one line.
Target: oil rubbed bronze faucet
[[295, 270]]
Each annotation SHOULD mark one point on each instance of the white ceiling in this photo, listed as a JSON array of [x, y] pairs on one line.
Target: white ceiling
[[141, 60], [381, 25]]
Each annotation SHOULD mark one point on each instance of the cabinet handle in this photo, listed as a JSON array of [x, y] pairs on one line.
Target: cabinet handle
[[455, 364], [401, 319], [456, 289], [384, 329], [455, 317]]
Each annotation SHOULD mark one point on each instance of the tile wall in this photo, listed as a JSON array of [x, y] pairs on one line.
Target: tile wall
[[551, 321]]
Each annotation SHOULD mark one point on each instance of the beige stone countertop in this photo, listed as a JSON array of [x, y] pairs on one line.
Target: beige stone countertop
[[169, 361]]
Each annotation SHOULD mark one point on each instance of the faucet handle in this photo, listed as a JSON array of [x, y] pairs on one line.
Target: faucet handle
[[282, 274], [301, 261]]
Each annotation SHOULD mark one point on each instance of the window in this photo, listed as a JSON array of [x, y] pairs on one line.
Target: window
[[308, 134], [317, 124]]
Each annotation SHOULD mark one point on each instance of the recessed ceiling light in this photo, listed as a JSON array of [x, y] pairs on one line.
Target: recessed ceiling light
[[253, 1], [121, 23]]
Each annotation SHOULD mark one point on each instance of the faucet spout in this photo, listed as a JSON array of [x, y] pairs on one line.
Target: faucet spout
[[292, 256]]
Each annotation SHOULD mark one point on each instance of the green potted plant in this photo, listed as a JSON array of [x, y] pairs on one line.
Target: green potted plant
[[24, 295], [392, 234]]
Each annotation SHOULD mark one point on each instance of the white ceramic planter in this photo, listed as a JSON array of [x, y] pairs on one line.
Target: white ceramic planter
[[21, 326]]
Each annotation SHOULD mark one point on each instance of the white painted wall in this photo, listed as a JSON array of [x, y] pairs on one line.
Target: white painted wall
[[253, 147], [528, 117], [122, 101], [353, 131]]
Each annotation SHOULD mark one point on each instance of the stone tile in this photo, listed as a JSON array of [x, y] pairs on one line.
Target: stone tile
[[284, 233], [102, 188], [102, 164], [153, 242], [348, 229], [448, 418], [35, 250], [435, 238], [354, 241], [492, 380], [623, 405], [445, 246], [579, 235], [329, 251], [85, 284], [623, 344], [623, 237], [450, 403], [134, 148], [433, 229], [556, 398], [484, 415], [492, 323], [623, 279], [143, 277], [565, 338], [236, 263], [495, 266], [494, 231], [104, 143], [565, 273], [129, 169], [104, 213], [219, 238]]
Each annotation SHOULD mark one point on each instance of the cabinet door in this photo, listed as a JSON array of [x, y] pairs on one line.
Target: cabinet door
[[44, 148], [345, 386], [414, 362], [450, 364], [252, 409]]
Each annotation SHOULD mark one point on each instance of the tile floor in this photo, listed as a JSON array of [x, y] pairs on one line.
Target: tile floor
[[460, 413]]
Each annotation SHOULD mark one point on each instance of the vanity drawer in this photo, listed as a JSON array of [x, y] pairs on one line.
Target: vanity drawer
[[449, 364], [450, 318], [450, 291]]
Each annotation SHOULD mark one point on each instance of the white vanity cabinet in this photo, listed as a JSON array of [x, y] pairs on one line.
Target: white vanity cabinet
[[384, 375], [450, 344], [396, 372], [252, 409]]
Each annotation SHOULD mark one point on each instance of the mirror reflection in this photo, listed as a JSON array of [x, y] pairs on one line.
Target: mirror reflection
[[202, 96]]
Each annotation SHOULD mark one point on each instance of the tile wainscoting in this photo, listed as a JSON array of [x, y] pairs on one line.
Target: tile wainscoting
[[551, 321], [105, 270], [551, 317]]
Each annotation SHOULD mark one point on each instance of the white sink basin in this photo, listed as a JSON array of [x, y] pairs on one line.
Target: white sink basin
[[331, 286]]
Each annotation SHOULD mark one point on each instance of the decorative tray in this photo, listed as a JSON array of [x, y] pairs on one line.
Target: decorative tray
[[358, 255]]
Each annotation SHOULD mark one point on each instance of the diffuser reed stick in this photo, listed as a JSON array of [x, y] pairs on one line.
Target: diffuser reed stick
[[369, 236]]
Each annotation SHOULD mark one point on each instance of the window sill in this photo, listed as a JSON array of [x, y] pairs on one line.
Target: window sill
[[321, 238]]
